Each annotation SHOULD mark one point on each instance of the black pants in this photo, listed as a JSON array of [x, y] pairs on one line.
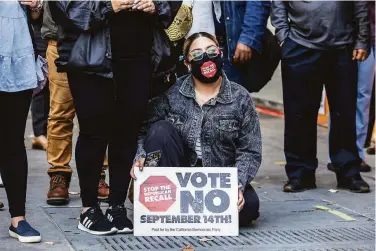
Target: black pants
[[14, 107], [40, 108], [304, 73], [163, 137], [110, 113]]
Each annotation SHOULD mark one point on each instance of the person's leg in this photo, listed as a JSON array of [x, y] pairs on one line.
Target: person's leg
[[341, 87], [59, 131], [164, 138], [250, 211], [94, 102], [366, 75], [15, 107], [371, 118], [39, 111], [132, 78], [40, 107], [302, 91], [13, 167]]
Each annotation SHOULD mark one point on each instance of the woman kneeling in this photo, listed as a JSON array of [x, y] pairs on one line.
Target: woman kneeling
[[205, 120]]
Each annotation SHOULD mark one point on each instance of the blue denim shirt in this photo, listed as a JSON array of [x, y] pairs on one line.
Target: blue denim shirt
[[245, 23], [17, 60], [228, 126]]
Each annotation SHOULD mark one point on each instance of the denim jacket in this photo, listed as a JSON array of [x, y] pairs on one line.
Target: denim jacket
[[228, 126], [245, 23]]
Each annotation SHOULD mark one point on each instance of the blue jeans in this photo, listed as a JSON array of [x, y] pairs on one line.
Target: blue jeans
[[304, 73], [366, 77]]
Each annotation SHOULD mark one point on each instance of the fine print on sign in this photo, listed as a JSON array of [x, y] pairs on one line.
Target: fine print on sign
[[171, 201]]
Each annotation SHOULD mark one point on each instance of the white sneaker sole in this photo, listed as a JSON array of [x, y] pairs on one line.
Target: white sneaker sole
[[125, 231], [83, 228], [27, 239]]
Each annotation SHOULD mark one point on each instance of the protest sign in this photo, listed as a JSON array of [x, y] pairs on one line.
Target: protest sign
[[171, 201]]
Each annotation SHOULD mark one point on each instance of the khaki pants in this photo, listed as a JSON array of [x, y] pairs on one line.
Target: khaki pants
[[60, 121]]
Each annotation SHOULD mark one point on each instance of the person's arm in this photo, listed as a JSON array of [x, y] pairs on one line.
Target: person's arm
[[279, 19], [157, 110], [363, 36], [81, 16], [248, 146], [254, 24]]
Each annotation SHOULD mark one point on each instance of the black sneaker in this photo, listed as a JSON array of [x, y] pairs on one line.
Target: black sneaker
[[354, 184], [94, 222], [296, 185], [118, 216]]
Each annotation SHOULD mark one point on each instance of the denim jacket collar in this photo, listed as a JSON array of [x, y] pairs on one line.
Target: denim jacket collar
[[224, 96]]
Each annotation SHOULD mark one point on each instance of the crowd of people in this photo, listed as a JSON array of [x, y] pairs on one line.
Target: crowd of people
[[170, 82]]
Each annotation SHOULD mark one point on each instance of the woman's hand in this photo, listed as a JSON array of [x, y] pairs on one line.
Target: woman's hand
[[138, 164], [145, 6], [241, 200], [118, 5], [32, 3]]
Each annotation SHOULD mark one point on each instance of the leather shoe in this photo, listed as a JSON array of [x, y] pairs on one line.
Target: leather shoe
[[103, 190], [364, 167], [58, 193], [39, 142], [354, 183], [296, 185], [1, 205]]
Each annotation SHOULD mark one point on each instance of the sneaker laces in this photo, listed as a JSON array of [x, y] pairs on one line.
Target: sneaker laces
[[58, 181], [118, 211]]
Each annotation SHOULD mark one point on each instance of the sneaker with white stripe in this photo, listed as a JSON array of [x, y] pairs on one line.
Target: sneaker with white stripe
[[94, 222], [118, 216]]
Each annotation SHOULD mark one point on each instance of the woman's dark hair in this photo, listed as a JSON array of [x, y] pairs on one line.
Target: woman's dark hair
[[188, 42]]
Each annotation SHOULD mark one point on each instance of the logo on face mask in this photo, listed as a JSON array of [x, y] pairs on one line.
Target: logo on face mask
[[208, 69]]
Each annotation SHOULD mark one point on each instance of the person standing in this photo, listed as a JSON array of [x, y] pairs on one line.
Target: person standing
[[111, 98], [239, 27], [60, 122], [18, 78], [40, 101], [321, 47], [366, 78]]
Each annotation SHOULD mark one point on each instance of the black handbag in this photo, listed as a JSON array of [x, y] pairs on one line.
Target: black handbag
[[89, 53], [259, 71]]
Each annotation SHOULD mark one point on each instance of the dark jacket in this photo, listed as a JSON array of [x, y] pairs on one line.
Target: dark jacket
[[322, 24], [75, 17], [49, 28], [228, 126]]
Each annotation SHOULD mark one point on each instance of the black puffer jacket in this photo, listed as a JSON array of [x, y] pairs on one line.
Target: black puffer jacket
[[76, 17]]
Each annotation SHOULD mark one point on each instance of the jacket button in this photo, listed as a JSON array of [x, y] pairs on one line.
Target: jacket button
[[228, 18]]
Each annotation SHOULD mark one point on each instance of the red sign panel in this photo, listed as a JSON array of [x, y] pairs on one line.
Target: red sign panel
[[157, 193]]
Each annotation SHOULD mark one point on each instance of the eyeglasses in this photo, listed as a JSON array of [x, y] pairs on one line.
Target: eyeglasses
[[198, 54]]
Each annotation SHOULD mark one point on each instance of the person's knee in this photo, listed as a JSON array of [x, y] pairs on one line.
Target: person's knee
[[161, 132]]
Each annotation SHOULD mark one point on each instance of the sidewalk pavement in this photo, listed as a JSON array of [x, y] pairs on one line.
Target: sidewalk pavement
[[287, 222]]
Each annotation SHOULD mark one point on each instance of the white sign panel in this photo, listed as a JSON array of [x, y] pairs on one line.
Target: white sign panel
[[171, 201]]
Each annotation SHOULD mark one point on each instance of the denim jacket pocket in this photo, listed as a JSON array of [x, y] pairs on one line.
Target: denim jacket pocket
[[227, 130]]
